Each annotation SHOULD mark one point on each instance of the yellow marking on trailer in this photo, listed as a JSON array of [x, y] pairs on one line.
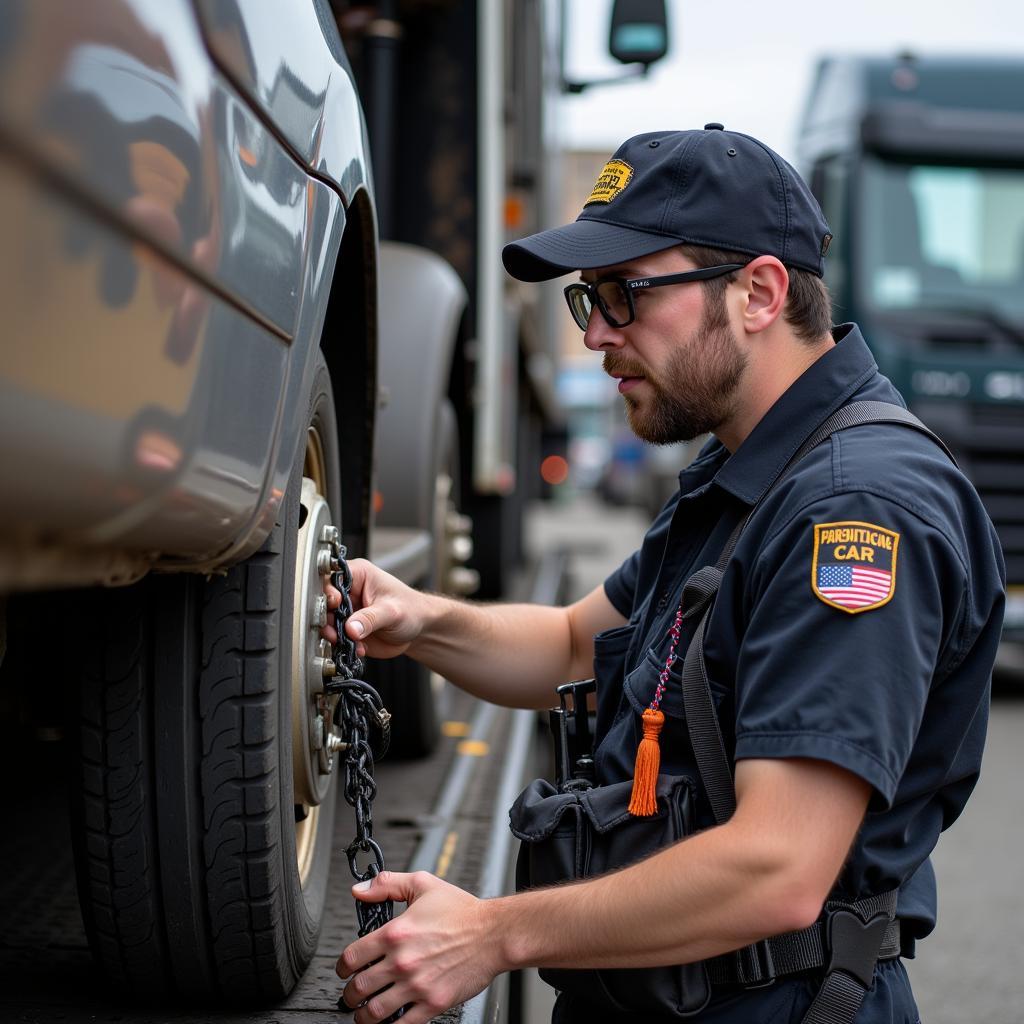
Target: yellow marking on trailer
[[473, 748], [444, 861], [456, 729]]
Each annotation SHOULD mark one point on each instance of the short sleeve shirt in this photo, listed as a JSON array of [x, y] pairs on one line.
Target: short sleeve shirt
[[857, 621]]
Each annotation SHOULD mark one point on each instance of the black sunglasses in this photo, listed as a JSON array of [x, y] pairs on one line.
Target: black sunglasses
[[614, 295]]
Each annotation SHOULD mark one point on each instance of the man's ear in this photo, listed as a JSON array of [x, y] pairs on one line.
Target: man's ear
[[767, 285]]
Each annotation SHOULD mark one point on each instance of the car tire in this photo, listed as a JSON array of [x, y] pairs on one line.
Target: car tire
[[201, 875]]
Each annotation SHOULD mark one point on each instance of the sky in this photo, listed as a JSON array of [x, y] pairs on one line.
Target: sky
[[749, 64]]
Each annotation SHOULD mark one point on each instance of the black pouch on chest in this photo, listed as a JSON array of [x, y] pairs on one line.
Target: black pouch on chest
[[587, 832], [576, 831]]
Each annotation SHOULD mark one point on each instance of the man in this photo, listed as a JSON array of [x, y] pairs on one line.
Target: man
[[849, 649]]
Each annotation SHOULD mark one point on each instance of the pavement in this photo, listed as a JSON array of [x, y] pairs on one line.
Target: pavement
[[597, 537], [970, 968]]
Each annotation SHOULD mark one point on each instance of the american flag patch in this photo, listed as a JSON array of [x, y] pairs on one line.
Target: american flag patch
[[853, 586], [854, 566]]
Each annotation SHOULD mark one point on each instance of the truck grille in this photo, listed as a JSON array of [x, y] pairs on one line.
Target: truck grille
[[994, 461]]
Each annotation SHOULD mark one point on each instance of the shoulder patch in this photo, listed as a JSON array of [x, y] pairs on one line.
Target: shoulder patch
[[854, 565]]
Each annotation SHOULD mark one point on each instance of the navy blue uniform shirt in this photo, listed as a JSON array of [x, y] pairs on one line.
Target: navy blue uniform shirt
[[857, 623]]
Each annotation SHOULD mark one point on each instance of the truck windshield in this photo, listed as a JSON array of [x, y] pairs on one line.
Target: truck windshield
[[940, 236]]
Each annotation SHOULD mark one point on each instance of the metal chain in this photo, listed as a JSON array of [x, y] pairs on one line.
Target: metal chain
[[366, 729]]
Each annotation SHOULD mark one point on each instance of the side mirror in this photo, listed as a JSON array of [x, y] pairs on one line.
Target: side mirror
[[639, 31]]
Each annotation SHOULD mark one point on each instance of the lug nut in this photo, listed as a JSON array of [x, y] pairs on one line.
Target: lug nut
[[461, 548], [326, 563], [329, 534], [462, 580], [326, 667], [335, 744], [456, 522]]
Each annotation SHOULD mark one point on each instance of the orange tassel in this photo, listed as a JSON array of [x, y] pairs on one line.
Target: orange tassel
[[644, 801]]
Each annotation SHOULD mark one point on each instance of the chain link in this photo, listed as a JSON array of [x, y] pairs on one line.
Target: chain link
[[366, 730]]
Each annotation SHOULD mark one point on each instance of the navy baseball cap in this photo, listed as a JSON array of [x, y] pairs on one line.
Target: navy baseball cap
[[714, 188]]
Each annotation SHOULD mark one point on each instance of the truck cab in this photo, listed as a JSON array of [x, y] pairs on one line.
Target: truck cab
[[919, 167]]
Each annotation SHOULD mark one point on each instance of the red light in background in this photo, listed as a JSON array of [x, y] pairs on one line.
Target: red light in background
[[515, 212], [554, 470]]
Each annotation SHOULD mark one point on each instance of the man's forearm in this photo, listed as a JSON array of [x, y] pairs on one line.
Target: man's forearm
[[509, 654], [513, 655], [766, 871], [707, 895]]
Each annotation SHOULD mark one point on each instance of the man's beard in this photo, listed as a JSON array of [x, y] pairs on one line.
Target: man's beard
[[695, 393]]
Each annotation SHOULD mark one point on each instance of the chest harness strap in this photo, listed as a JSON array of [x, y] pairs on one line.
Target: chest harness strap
[[850, 937]]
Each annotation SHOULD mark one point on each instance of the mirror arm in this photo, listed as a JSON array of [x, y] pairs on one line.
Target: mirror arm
[[635, 72]]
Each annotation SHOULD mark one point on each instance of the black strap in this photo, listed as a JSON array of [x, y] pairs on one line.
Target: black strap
[[701, 720], [853, 935], [855, 938], [859, 413]]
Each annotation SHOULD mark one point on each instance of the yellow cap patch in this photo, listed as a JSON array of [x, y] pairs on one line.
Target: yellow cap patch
[[610, 182], [854, 565]]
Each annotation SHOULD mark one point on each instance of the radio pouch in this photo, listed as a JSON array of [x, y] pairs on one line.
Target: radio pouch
[[586, 832]]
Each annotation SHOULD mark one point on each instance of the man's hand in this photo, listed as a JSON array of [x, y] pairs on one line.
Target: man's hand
[[387, 620], [437, 954]]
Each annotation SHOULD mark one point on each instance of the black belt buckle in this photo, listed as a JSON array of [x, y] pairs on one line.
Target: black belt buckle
[[755, 966], [854, 944]]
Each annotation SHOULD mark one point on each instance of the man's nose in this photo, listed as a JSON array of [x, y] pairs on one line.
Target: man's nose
[[600, 336]]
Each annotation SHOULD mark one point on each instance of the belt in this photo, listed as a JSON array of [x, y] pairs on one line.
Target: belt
[[847, 941]]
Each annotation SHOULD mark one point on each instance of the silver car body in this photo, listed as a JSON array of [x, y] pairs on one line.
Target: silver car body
[[175, 181]]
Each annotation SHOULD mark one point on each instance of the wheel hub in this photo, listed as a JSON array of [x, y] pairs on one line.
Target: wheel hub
[[314, 739]]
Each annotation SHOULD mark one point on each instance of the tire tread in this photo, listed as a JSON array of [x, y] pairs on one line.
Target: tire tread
[[117, 871], [240, 794]]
